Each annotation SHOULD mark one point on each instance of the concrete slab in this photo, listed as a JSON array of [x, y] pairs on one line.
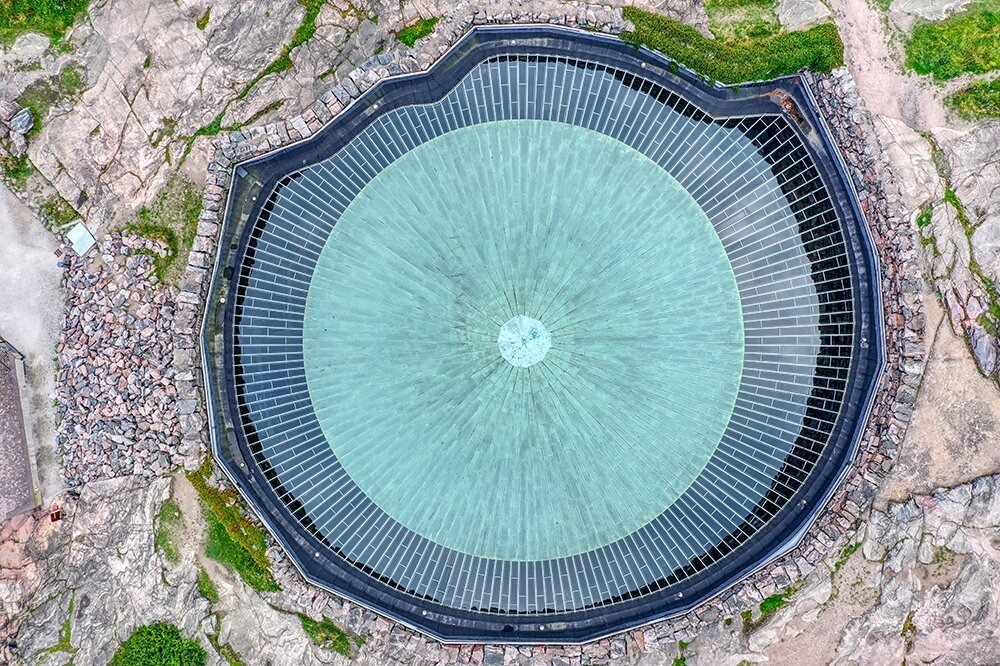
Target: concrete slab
[[17, 486]]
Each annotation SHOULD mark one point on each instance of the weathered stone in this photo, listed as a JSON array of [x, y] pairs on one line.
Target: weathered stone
[[22, 122]]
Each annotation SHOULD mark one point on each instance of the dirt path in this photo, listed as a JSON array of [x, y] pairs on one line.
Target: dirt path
[[885, 88], [31, 299]]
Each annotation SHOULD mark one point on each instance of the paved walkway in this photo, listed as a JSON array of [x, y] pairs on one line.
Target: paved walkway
[[31, 304], [16, 491]]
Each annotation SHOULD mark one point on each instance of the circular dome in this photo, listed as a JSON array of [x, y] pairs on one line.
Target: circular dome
[[544, 343], [629, 384]]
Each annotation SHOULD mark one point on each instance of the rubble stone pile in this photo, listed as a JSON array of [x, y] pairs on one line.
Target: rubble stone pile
[[115, 392]]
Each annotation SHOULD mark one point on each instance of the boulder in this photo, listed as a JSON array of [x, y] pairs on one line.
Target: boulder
[[22, 122]]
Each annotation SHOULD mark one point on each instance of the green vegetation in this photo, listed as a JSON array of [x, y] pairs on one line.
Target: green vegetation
[[65, 643], [226, 651], [206, 587], [172, 220], [909, 629], [49, 17], [329, 636], [233, 540], [742, 19], [202, 23], [169, 523], [681, 658], [980, 100], [159, 645], [43, 95], [57, 212], [216, 126], [768, 607], [16, 171], [305, 31], [943, 555], [845, 555], [411, 33], [924, 219], [229, 653], [738, 61], [989, 320], [964, 43]]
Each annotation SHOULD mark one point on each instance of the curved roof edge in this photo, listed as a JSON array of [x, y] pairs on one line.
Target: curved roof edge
[[787, 528]]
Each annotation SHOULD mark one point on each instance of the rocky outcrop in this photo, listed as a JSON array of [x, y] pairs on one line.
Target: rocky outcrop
[[801, 14], [938, 563], [117, 402], [15, 123], [952, 196], [83, 584], [905, 13], [159, 86]]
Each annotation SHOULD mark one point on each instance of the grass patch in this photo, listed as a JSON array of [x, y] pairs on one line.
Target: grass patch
[[202, 22], [964, 43], [206, 587], [65, 643], [980, 100], [924, 219], [818, 48], [57, 212], [49, 17], [159, 645], [742, 19], [768, 607], [168, 524], [233, 540], [42, 95], [328, 635], [16, 171], [172, 220], [411, 33]]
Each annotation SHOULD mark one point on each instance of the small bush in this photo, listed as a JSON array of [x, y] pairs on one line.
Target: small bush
[[411, 33], [818, 48], [980, 100], [964, 43], [159, 645]]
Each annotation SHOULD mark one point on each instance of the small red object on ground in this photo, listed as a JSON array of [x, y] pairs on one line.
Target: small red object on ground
[[55, 513]]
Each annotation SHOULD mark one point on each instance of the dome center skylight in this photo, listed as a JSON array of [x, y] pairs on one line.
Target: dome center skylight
[[524, 341]]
